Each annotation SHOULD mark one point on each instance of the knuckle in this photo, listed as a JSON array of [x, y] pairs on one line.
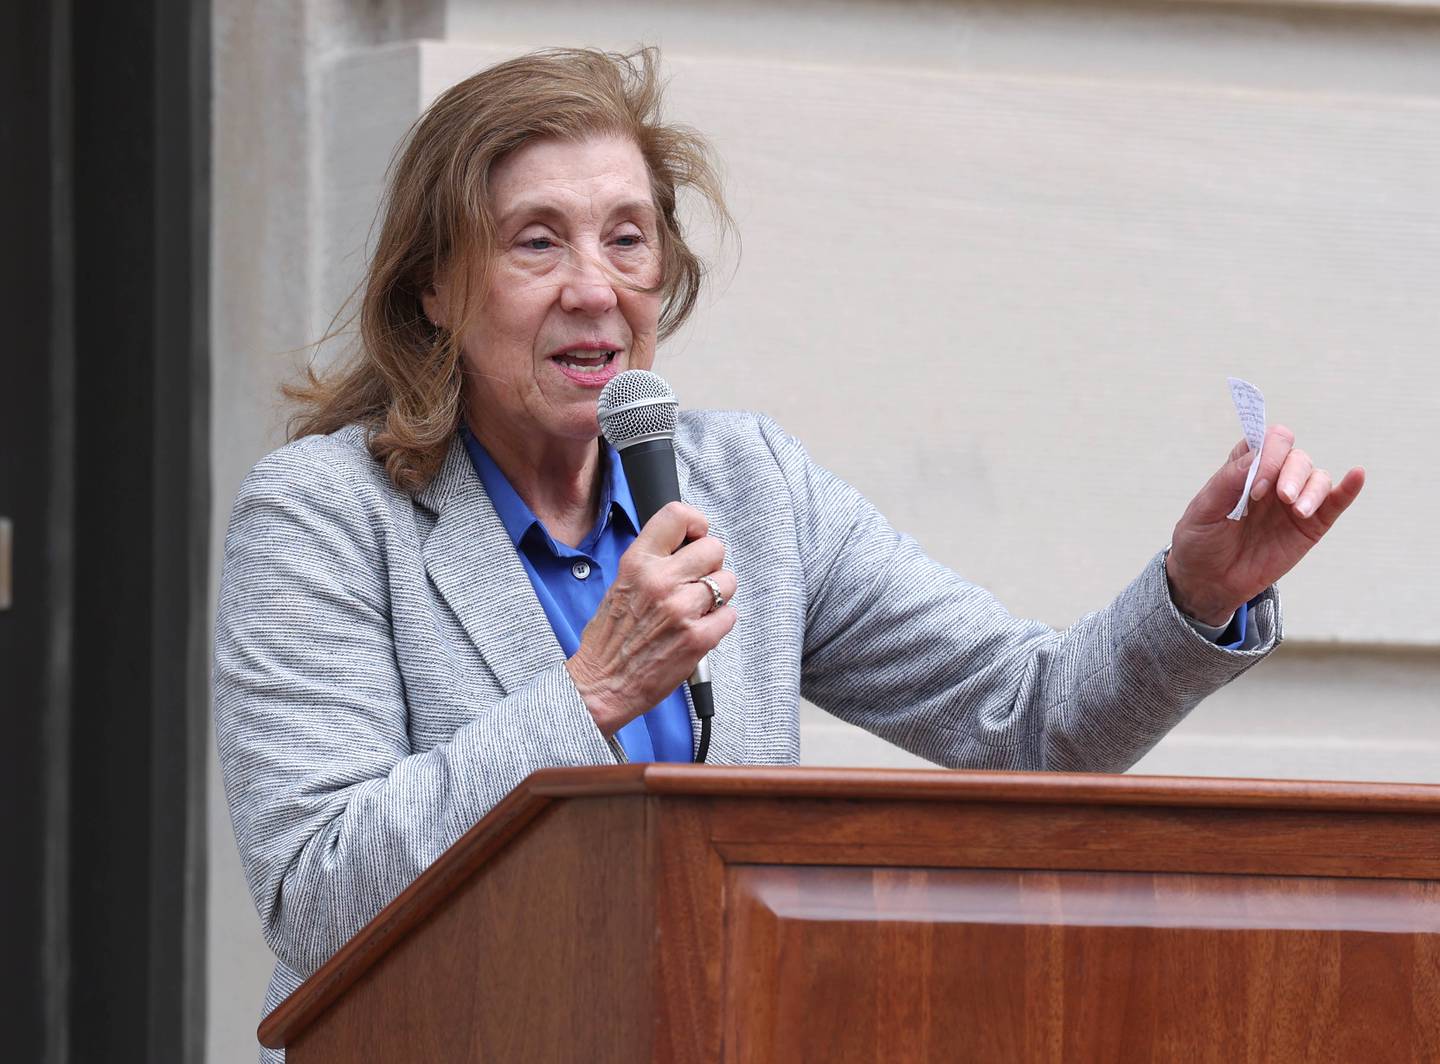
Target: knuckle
[[684, 514], [632, 563], [648, 594], [693, 641], [648, 582], [713, 552]]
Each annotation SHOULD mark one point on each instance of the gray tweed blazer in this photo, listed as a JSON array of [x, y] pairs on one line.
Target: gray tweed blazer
[[384, 673]]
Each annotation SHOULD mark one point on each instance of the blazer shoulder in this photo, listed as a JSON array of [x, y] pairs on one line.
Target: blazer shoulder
[[323, 464], [741, 461], [705, 434], [328, 485]]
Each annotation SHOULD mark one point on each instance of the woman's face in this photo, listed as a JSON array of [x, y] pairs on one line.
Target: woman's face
[[576, 238]]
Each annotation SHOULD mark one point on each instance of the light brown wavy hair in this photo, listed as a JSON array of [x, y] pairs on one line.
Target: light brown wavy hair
[[402, 380]]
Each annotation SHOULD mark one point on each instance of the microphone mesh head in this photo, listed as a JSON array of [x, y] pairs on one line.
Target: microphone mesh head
[[635, 405]]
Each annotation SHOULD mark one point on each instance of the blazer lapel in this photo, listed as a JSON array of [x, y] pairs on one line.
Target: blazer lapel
[[727, 727], [477, 571]]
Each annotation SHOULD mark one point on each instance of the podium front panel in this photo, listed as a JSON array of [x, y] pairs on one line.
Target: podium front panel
[[855, 964]]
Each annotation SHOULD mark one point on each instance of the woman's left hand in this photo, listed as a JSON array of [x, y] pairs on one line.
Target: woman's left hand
[[1216, 564]]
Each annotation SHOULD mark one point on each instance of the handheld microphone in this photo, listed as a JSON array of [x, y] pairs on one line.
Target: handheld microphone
[[637, 414]]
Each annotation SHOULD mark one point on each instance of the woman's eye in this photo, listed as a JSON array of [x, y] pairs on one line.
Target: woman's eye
[[538, 243], [630, 240]]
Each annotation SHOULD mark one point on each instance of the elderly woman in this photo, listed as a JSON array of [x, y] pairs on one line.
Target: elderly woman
[[441, 584]]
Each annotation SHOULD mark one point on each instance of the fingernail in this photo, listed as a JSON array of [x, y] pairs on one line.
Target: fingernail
[[1258, 491], [1306, 507]]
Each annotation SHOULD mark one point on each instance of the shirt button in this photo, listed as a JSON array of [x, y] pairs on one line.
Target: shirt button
[[580, 570]]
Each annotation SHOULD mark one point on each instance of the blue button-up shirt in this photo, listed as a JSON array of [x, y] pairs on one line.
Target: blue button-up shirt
[[571, 581]]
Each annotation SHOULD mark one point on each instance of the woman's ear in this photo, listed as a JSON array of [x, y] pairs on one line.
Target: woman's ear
[[433, 300]]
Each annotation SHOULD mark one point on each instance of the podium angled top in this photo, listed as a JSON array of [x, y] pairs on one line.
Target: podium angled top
[[806, 786], [949, 785]]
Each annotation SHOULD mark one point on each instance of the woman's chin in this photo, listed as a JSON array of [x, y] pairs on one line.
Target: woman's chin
[[578, 424]]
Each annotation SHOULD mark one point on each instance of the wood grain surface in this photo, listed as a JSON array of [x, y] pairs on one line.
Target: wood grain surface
[[698, 915], [543, 957], [901, 964]]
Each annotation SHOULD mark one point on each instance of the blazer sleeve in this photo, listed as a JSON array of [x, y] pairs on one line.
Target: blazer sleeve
[[905, 648], [333, 813]]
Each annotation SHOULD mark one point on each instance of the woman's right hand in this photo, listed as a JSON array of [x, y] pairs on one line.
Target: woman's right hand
[[656, 622]]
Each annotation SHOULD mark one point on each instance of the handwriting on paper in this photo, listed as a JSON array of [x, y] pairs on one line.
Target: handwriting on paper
[[1250, 406]]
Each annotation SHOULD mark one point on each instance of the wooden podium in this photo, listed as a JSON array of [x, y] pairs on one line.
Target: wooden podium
[[685, 913]]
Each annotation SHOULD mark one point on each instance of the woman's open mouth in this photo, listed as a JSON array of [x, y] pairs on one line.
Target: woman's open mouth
[[586, 361], [588, 368]]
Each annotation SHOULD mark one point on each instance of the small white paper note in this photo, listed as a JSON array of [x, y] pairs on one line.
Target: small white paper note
[[1250, 405]]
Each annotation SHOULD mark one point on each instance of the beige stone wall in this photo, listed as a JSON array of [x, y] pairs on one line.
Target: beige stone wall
[[997, 262]]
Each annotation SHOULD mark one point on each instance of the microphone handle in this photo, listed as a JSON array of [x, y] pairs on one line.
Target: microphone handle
[[650, 472]]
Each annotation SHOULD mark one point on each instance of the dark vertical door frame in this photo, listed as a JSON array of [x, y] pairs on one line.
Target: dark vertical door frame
[[142, 510], [36, 485], [104, 462]]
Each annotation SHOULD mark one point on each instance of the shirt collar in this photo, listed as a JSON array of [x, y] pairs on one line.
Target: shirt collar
[[516, 515]]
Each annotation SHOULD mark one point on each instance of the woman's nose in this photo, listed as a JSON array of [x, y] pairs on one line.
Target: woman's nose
[[590, 288]]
